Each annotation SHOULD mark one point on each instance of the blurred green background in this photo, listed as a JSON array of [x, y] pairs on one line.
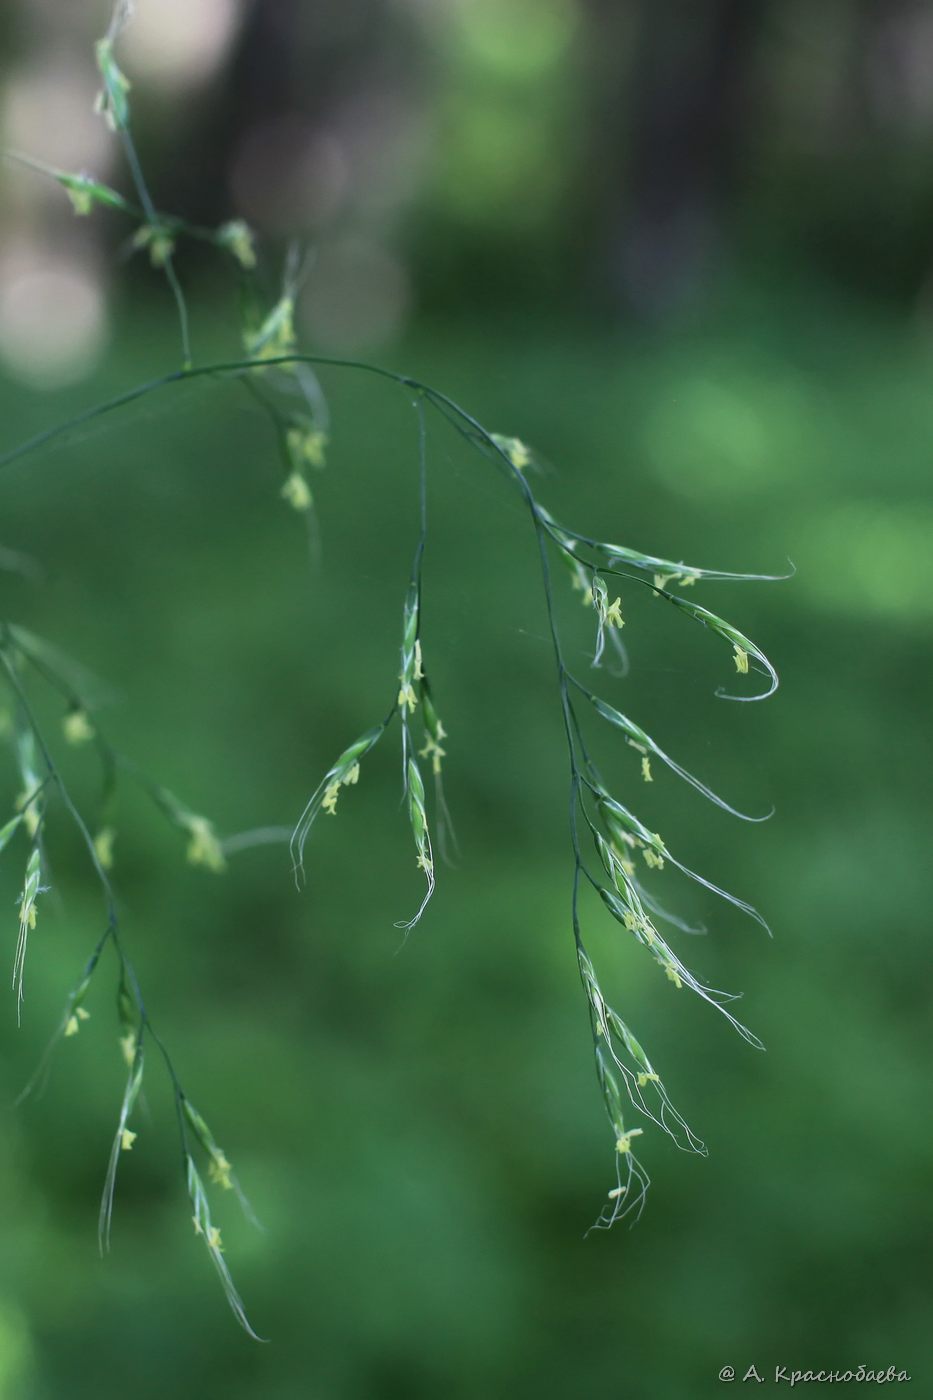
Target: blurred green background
[[685, 253]]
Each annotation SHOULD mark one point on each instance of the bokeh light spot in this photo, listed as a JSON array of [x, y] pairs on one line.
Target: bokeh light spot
[[175, 43], [53, 322]]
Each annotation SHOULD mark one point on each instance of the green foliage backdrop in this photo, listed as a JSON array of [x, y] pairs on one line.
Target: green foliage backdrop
[[689, 264], [420, 1129]]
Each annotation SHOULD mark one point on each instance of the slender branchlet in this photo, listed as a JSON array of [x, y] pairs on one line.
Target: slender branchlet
[[621, 855], [21, 653]]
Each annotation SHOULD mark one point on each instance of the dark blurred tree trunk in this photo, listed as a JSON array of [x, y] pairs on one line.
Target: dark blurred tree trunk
[[672, 137], [292, 66], [259, 85]]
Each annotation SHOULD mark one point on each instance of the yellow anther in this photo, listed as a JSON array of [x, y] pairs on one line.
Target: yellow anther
[[433, 750], [331, 793], [77, 728], [159, 244], [613, 616], [82, 201], [297, 492], [306, 446], [516, 451], [204, 848], [219, 1170], [407, 696], [103, 846]]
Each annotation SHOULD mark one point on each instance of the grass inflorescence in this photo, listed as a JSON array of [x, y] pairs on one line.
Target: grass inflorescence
[[613, 852]]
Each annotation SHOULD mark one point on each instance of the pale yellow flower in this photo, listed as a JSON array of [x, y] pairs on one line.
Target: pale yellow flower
[[103, 846], [407, 696], [297, 492], [433, 750], [77, 727], [219, 1170], [613, 616], [306, 445], [204, 848]]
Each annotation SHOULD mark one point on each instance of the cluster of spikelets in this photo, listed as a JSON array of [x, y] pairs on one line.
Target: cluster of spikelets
[[267, 335], [625, 853], [24, 661], [415, 709], [296, 408]]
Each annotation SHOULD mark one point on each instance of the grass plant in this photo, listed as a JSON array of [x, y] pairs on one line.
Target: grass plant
[[612, 852]]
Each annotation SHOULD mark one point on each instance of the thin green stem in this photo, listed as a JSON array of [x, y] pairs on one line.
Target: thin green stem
[[152, 219], [112, 930]]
